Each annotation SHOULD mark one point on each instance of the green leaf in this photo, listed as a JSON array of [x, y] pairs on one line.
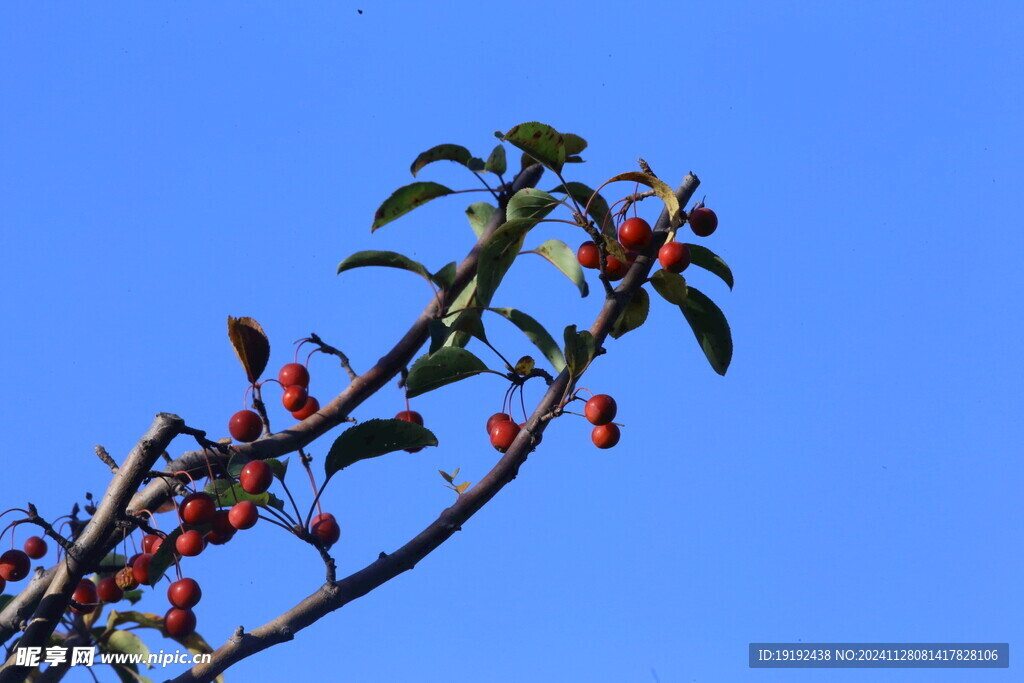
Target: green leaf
[[278, 467], [564, 258], [445, 277], [439, 333], [660, 188], [633, 315], [375, 438], [404, 200], [143, 619], [133, 596], [612, 246], [4, 599], [598, 210], [543, 143], [524, 366], [711, 329], [128, 673], [476, 165], [127, 643], [496, 162], [574, 144], [447, 477], [479, 215], [536, 333], [530, 203], [579, 349], [387, 259], [671, 286], [497, 256], [467, 297], [112, 560], [456, 153], [164, 557], [709, 260], [227, 493], [446, 365]]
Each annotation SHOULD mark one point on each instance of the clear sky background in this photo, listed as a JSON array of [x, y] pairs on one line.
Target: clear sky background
[[855, 477]]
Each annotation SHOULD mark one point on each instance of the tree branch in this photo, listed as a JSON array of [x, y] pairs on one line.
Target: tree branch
[[303, 433], [89, 547], [332, 596]]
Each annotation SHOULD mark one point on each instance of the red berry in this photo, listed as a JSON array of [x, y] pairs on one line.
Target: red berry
[[674, 257], [184, 593], [292, 374], [503, 434], [151, 543], [85, 595], [179, 623], [415, 418], [197, 508], [189, 544], [410, 416], [243, 515], [605, 436], [140, 569], [588, 255], [495, 419], [635, 233], [703, 221], [615, 269], [600, 409], [107, 590], [326, 528], [312, 406], [131, 560], [35, 547], [245, 426], [221, 530], [256, 477], [294, 398], [14, 565]]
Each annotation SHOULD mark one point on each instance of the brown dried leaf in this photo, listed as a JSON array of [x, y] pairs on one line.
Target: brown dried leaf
[[251, 345]]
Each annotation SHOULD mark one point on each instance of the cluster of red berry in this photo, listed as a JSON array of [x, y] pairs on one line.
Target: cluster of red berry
[[203, 519], [503, 430], [600, 411], [246, 426], [635, 234], [15, 565]]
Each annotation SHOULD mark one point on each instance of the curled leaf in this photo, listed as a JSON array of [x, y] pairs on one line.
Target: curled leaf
[[405, 199], [561, 256], [456, 153], [663, 191], [386, 259], [539, 141], [250, 344]]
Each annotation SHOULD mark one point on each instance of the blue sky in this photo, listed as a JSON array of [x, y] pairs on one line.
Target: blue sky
[[854, 477]]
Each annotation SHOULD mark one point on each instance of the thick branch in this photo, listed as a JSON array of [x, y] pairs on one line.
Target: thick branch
[[89, 548], [331, 597], [301, 434]]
